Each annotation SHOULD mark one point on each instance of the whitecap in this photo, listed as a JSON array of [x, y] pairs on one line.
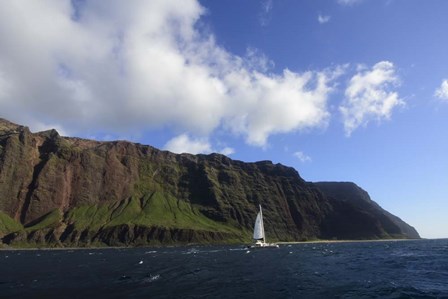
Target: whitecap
[[239, 249], [190, 251], [151, 278]]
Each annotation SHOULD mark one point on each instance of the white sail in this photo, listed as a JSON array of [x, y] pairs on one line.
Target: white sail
[[259, 228], [259, 237]]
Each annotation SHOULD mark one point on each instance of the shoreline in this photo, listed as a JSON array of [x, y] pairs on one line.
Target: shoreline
[[199, 244], [350, 241]]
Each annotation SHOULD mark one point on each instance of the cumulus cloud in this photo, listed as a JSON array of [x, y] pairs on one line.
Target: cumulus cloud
[[266, 105], [442, 91], [302, 157], [323, 19], [227, 151], [255, 60], [183, 143], [369, 96], [120, 68]]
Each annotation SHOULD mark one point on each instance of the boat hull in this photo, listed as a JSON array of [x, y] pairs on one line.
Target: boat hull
[[261, 246]]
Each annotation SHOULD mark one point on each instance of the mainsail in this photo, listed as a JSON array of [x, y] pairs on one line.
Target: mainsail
[[259, 227]]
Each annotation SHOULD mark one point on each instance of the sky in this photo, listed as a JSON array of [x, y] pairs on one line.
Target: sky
[[341, 90]]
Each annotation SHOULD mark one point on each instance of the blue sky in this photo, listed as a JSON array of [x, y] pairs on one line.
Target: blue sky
[[341, 90]]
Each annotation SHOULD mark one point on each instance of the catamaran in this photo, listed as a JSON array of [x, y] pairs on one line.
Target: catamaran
[[259, 236]]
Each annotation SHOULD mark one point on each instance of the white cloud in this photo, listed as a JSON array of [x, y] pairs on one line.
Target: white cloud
[[442, 91], [184, 144], [369, 96], [323, 19], [227, 151], [349, 2], [265, 105], [255, 60], [122, 68], [265, 14], [302, 157]]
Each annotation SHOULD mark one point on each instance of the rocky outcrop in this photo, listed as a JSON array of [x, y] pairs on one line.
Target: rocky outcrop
[[70, 191]]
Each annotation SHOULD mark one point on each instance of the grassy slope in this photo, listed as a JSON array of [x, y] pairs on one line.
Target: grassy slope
[[156, 209], [8, 225], [52, 219]]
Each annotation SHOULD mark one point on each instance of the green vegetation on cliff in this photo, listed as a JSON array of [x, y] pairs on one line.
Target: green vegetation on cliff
[[49, 220], [7, 224], [152, 220], [155, 209]]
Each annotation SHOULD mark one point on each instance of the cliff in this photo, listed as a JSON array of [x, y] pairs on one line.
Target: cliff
[[354, 215], [59, 191]]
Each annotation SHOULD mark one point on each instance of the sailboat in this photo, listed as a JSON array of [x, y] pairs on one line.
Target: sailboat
[[259, 236]]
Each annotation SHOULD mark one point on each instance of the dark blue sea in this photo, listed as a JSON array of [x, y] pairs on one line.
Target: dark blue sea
[[392, 269]]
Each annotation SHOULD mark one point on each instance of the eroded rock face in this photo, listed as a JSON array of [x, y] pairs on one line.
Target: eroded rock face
[[354, 215], [78, 192]]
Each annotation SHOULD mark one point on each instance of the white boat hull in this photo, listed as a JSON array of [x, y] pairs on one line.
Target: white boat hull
[[259, 245], [263, 245]]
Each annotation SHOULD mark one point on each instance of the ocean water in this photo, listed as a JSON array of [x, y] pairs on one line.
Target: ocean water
[[392, 269]]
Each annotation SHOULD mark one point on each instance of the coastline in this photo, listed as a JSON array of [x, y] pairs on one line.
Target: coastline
[[347, 241], [202, 244]]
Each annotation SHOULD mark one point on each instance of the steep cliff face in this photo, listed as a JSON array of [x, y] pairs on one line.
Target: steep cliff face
[[354, 215], [72, 192]]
